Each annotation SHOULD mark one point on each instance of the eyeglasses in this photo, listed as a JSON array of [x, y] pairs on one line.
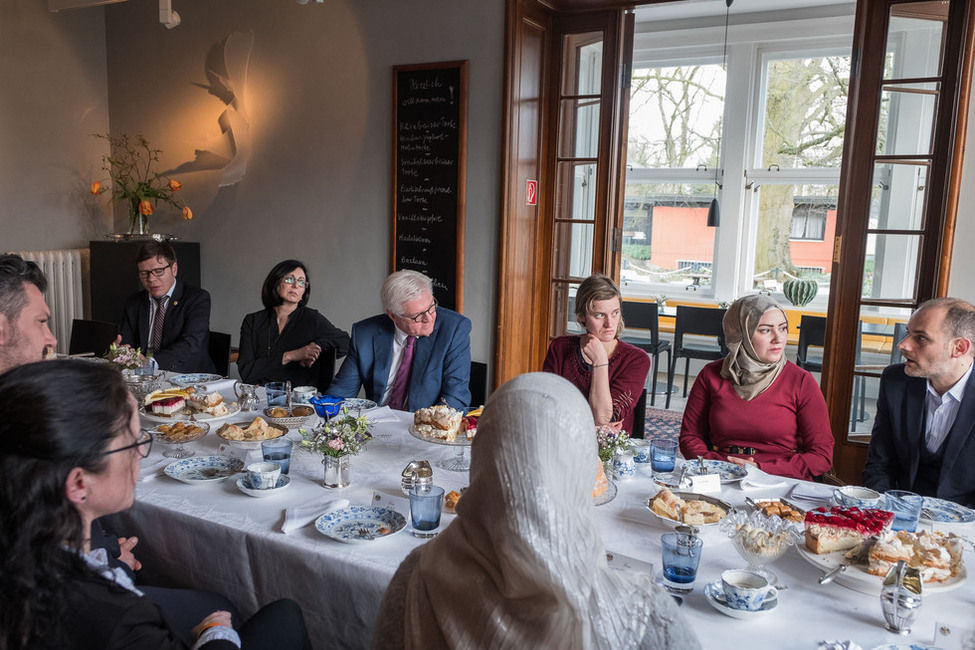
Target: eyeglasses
[[301, 283], [143, 444], [430, 311], [144, 275]]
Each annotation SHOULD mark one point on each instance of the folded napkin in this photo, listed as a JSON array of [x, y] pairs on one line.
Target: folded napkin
[[838, 645], [812, 491], [150, 470], [380, 415], [300, 516], [759, 480]]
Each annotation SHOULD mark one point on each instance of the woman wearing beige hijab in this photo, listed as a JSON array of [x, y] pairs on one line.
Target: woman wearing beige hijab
[[754, 407], [523, 564]]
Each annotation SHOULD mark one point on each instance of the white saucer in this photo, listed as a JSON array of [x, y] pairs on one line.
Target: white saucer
[[283, 482], [714, 592]]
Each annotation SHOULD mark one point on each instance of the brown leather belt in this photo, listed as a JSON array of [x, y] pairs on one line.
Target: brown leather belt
[[747, 451]]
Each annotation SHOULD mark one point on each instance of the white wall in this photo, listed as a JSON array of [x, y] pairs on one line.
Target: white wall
[[318, 100], [54, 94]]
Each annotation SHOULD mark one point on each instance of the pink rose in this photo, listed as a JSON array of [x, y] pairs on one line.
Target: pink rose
[[335, 443]]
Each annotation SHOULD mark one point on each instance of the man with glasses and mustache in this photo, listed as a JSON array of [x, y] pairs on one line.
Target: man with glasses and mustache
[[170, 319], [414, 356]]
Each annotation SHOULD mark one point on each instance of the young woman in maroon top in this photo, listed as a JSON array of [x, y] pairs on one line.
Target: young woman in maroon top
[[609, 372], [754, 407]]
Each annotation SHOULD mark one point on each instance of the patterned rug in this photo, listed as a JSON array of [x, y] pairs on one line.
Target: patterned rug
[[662, 424]]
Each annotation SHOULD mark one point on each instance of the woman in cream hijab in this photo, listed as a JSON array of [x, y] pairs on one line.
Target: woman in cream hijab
[[523, 565], [754, 407]]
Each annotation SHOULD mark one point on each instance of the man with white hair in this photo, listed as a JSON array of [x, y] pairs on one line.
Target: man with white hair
[[924, 436], [414, 356], [24, 332]]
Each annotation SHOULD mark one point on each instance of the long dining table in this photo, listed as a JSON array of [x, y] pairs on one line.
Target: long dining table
[[213, 536]]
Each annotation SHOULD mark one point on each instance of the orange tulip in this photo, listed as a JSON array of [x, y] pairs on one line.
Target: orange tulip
[[187, 213], [96, 188], [145, 208], [174, 185]]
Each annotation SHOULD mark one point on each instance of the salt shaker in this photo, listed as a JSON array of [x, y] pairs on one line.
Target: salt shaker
[[900, 597]]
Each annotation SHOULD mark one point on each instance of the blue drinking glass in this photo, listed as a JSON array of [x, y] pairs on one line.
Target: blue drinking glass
[[681, 555], [278, 451], [663, 455], [426, 504], [906, 507]]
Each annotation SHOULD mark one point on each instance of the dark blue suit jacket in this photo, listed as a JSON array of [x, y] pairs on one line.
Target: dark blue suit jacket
[[895, 444], [441, 362], [186, 329]]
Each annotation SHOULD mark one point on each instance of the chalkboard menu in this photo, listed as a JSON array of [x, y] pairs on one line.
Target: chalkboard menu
[[429, 174]]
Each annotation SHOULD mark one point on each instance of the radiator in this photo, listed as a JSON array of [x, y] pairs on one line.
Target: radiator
[[67, 287]]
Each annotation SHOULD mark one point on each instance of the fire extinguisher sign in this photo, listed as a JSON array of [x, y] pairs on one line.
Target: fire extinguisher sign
[[531, 193]]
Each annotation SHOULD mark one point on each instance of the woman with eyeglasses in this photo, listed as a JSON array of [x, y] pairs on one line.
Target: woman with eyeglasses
[[70, 448], [609, 372], [283, 341]]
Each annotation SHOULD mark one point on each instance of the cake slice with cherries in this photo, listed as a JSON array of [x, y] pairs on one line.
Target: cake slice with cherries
[[841, 528]]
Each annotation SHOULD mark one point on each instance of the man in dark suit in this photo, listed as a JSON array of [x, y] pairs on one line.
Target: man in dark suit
[[414, 356], [169, 319], [923, 438]]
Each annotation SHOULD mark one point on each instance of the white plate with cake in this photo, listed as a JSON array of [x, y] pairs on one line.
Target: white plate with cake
[[249, 434], [833, 534], [182, 404]]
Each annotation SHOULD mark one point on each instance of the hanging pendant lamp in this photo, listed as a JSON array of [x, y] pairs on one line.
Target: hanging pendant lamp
[[714, 211]]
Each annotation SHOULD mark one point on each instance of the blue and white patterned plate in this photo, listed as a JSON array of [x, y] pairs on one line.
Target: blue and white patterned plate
[[905, 646], [244, 485], [714, 592], [204, 469], [729, 472], [359, 524], [358, 404], [193, 378], [939, 511]]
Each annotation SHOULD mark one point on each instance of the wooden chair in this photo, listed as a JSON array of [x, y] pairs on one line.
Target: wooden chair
[[478, 383], [699, 322], [812, 333], [91, 336], [219, 350], [644, 316]]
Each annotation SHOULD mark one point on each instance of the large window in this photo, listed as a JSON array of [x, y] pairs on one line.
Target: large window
[[763, 134]]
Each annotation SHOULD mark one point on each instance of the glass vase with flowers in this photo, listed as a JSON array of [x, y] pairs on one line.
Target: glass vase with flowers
[[129, 167]]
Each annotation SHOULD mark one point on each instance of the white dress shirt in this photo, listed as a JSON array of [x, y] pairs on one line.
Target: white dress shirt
[[399, 345], [940, 412]]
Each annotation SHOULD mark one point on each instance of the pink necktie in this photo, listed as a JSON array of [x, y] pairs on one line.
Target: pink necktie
[[155, 340], [401, 383]]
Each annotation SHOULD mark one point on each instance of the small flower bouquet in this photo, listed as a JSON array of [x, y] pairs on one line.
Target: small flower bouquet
[[611, 438], [124, 357], [343, 435]]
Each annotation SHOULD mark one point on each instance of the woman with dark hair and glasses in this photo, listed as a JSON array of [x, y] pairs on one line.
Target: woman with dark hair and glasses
[[283, 341], [70, 448]]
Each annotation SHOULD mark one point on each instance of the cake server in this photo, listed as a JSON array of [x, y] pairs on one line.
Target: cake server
[[857, 555]]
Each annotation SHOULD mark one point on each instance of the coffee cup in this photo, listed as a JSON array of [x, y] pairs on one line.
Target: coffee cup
[[855, 496], [263, 476], [303, 394], [746, 590]]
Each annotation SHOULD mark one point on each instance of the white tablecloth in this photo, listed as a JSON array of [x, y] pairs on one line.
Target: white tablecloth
[[215, 537]]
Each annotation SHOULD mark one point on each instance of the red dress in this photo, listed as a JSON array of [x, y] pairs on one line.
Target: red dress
[[787, 425], [628, 369]]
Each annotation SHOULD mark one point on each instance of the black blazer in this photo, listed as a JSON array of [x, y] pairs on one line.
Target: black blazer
[[186, 329], [103, 616], [895, 444]]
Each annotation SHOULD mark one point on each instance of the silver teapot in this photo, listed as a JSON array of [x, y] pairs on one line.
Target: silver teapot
[[900, 597]]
